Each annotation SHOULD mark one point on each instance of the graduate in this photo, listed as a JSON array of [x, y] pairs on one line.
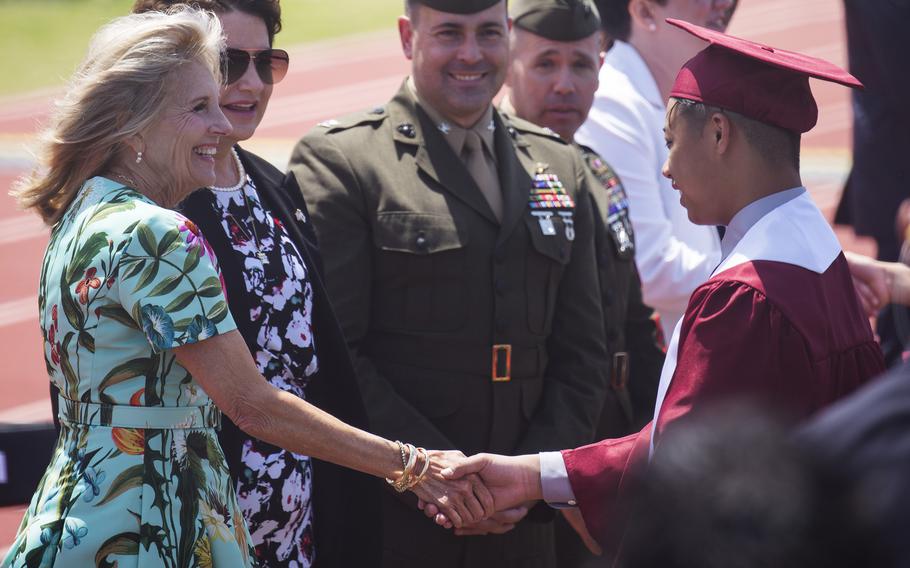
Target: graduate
[[778, 321]]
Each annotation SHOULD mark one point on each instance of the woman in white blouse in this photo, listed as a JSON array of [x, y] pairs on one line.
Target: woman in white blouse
[[625, 126]]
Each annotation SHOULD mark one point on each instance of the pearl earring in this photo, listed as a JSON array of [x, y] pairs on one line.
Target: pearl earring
[[652, 27], [138, 157]]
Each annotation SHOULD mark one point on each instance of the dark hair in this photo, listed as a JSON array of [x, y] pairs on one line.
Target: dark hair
[[269, 11], [774, 143], [615, 18]]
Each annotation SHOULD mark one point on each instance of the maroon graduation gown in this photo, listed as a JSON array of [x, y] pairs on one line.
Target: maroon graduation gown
[[787, 335]]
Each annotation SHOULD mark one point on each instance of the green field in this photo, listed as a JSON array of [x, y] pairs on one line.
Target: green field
[[41, 41]]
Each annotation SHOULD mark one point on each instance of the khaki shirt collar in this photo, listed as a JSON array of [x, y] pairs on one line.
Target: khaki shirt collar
[[454, 134]]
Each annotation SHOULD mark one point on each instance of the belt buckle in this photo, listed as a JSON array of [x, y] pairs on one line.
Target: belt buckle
[[620, 375], [499, 351]]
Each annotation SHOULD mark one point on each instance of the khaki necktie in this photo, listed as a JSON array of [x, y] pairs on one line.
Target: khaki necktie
[[483, 171]]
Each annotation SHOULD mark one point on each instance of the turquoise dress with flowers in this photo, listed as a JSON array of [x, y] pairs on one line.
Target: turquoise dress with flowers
[[137, 477]]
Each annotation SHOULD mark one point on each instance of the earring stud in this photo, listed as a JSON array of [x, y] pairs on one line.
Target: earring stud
[[138, 157]]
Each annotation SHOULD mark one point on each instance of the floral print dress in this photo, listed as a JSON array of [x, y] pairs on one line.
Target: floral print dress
[[274, 486], [137, 477]]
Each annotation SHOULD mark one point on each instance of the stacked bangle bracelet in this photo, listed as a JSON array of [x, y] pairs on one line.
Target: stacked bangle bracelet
[[409, 458]]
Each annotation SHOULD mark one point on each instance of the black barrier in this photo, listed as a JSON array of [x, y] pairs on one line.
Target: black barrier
[[25, 451]]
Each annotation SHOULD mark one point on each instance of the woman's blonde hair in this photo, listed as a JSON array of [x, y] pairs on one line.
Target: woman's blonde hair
[[118, 91]]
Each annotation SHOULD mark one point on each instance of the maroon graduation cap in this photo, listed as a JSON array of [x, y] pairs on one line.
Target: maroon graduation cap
[[758, 81]]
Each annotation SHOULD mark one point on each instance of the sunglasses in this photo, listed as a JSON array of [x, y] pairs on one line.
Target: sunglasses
[[271, 64]]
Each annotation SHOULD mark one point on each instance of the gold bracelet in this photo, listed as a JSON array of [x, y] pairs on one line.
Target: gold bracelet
[[404, 465], [404, 480], [426, 466], [404, 460]]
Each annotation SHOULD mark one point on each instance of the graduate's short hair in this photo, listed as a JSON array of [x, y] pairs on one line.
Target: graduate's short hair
[[775, 144]]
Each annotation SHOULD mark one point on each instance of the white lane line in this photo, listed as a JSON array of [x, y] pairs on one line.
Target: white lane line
[[28, 413], [22, 228], [18, 311]]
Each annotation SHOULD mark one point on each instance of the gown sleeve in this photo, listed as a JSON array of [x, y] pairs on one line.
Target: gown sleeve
[[733, 341]]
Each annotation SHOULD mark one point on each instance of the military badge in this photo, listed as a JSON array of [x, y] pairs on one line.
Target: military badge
[[545, 220], [548, 192], [548, 196], [618, 220]]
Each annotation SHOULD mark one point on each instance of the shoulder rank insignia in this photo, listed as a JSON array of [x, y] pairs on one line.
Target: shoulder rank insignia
[[329, 123], [618, 220], [407, 130]]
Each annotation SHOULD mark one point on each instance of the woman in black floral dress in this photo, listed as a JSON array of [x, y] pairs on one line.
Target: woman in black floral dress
[[301, 512]]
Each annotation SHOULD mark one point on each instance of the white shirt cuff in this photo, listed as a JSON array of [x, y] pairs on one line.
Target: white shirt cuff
[[554, 480]]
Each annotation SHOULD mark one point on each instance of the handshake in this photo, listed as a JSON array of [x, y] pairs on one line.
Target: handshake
[[485, 493]]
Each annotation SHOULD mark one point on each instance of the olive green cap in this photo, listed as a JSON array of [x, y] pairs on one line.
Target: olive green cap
[[558, 20], [459, 6]]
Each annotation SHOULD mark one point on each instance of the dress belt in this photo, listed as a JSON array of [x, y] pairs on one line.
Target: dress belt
[[124, 416], [526, 361]]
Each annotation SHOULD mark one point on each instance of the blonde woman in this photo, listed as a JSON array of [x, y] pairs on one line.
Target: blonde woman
[[138, 335]]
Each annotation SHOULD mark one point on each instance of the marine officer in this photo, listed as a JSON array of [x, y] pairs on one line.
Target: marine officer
[[553, 75], [459, 255]]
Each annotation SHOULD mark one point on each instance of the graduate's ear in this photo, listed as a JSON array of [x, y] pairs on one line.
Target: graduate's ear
[[720, 128]]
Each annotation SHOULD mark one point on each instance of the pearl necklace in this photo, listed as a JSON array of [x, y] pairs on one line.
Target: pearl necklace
[[240, 171], [260, 254]]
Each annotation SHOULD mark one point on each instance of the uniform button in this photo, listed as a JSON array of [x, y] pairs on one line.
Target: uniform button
[[607, 298], [612, 335], [499, 285], [573, 502], [562, 253], [421, 240], [500, 254], [501, 325]]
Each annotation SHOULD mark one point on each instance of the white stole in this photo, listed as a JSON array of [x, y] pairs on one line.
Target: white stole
[[794, 233]]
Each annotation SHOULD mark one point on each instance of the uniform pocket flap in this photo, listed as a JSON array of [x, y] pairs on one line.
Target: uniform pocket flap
[[554, 246], [417, 233]]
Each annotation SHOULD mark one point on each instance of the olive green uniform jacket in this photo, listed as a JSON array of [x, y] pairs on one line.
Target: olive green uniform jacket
[[426, 283], [634, 343]]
